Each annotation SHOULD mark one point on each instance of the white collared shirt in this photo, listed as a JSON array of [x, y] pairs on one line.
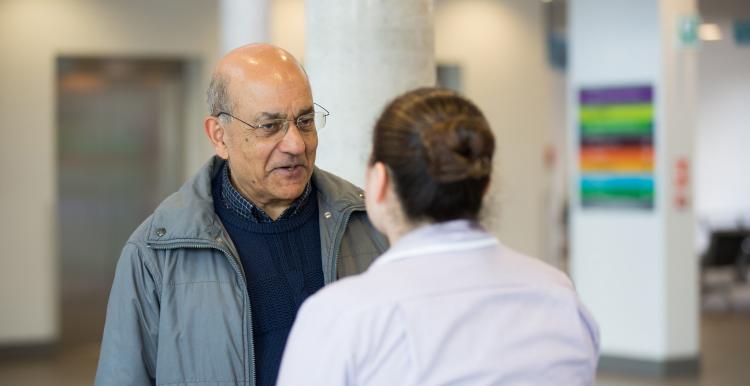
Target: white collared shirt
[[446, 305]]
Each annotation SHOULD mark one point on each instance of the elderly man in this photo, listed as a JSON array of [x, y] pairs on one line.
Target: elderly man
[[207, 288]]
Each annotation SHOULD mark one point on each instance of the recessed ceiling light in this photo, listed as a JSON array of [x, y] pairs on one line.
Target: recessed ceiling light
[[709, 32]]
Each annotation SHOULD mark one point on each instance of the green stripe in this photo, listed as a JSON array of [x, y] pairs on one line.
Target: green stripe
[[617, 113], [595, 194], [617, 128]]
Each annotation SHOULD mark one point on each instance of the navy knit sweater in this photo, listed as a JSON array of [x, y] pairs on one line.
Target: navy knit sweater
[[282, 264]]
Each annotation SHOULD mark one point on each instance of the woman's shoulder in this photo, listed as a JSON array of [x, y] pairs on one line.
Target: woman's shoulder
[[533, 270], [351, 294]]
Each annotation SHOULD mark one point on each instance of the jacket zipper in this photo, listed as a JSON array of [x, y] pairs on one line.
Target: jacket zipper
[[233, 262]]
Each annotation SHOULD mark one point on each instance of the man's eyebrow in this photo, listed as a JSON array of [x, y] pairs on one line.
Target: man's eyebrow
[[267, 115], [306, 110]]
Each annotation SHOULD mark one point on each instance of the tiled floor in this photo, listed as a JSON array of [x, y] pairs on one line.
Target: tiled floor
[[725, 339]]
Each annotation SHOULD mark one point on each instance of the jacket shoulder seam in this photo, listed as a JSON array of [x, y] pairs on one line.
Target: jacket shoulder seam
[[150, 265]]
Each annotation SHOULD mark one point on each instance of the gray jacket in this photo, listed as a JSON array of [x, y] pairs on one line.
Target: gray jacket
[[179, 312]]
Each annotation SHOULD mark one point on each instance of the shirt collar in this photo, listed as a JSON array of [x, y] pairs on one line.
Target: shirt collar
[[454, 237], [235, 201]]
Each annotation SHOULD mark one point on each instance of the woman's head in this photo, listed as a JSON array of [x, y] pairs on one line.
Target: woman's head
[[435, 148]]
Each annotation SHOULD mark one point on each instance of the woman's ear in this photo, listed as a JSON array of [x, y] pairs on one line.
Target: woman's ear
[[487, 187], [376, 195], [380, 181]]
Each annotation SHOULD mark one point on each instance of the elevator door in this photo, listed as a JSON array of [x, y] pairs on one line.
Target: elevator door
[[119, 154]]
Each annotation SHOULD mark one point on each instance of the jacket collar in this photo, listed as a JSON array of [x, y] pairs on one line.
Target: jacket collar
[[188, 215]]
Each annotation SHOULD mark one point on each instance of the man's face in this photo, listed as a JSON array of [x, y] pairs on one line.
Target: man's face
[[271, 170]]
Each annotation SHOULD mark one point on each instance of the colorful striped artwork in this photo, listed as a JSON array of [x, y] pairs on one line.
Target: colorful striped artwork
[[616, 157]]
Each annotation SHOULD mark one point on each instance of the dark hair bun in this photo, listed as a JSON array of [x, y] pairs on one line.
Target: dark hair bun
[[456, 150], [438, 146]]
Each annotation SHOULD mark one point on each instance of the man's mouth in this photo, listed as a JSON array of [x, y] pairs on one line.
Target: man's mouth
[[290, 168]]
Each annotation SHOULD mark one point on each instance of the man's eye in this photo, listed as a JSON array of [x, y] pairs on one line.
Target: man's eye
[[306, 122], [270, 126]]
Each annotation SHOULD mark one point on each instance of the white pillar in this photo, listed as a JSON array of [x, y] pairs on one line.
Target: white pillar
[[243, 22], [359, 55], [632, 257]]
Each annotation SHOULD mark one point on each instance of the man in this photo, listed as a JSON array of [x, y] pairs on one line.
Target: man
[[207, 288]]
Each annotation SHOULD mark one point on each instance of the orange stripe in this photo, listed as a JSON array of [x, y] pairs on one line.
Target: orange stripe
[[630, 167], [630, 159]]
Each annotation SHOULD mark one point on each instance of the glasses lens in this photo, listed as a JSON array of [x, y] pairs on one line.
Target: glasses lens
[[271, 127], [320, 119], [306, 122]]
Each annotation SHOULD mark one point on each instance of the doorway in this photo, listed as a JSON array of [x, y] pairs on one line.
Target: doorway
[[119, 153]]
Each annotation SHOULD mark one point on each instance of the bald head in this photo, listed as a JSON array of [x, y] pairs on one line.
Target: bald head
[[253, 69]]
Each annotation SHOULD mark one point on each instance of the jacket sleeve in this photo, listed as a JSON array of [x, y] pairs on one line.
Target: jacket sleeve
[[129, 344]]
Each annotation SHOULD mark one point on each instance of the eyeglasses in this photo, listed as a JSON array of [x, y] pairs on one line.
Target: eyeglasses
[[306, 123]]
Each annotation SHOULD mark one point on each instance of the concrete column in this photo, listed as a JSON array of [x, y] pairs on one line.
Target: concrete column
[[359, 55], [243, 22], [631, 80]]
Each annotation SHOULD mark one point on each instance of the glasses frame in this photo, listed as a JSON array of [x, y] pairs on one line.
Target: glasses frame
[[325, 112]]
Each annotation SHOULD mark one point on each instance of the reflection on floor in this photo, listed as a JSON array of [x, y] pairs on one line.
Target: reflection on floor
[[725, 335], [725, 339], [725, 355], [73, 366]]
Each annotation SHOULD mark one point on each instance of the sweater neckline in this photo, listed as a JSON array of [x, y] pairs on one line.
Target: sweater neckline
[[282, 225]]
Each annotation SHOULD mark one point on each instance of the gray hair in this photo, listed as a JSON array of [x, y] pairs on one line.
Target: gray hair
[[217, 97]]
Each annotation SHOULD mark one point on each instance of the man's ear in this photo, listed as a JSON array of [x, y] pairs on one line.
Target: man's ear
[[216, 134]]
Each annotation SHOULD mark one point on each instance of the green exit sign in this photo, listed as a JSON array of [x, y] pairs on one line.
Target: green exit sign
[[687, 30], [742, 32]]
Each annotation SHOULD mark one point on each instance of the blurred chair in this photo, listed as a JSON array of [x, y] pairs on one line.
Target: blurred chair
[[729, 248]]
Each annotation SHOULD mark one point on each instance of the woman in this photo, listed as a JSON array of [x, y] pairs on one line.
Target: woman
[[447, 304]]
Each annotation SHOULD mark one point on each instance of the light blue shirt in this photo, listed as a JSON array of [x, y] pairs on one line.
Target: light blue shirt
[[446, 305]]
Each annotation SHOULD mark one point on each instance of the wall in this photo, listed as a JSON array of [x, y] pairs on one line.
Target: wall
[[499, 45], [32, 34], [288, 26], [723, 142]]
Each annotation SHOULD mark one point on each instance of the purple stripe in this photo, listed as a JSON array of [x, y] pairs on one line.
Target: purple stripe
[[615, 95]]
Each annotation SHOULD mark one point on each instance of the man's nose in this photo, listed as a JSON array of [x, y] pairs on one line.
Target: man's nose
[[292, 141]]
